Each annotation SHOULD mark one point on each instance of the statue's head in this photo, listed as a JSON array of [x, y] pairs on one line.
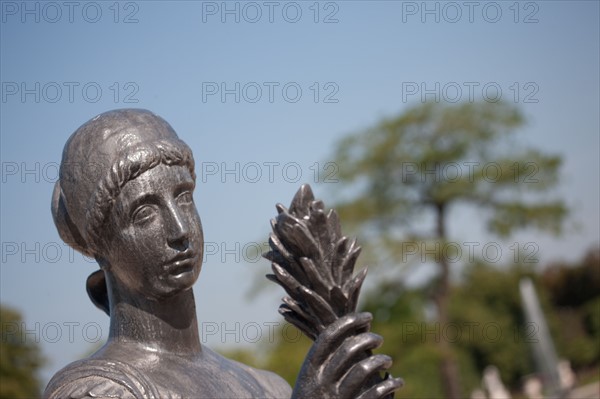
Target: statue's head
[[124, 197]]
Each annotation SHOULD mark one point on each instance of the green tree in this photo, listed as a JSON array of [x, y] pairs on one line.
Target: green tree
[[431, 158], [574, 291], [20, 359], [488, 299], [486, 326]]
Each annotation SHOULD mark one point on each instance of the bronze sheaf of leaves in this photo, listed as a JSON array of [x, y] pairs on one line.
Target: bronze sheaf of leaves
[[314, 263]]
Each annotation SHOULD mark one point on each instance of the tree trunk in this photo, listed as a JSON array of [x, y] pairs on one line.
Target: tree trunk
[[448, 366]]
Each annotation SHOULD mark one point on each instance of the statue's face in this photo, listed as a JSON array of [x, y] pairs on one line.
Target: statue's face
[[156, 245]]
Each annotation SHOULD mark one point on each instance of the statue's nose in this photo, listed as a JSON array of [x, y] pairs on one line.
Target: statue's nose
[[177, 229]]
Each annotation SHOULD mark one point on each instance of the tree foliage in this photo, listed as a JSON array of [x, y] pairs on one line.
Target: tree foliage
[[436, 155], [574, 291], [427, 160], [415, 168], [20, 359], [486, 326]]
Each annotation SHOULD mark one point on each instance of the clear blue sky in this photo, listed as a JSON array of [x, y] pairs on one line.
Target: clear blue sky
[[61, 65]]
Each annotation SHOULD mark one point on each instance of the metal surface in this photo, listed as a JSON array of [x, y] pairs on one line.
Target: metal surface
[[314, 263], [124, 197]]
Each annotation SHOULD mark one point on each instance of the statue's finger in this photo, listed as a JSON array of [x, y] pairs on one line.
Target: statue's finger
[[332, 337], [352, 350], [353, 382], [383, 390]]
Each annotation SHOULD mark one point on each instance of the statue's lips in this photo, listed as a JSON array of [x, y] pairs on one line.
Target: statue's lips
[[181, 263]]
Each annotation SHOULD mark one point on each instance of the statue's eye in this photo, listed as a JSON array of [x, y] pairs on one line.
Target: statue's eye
[[185, 198], [143, 213]]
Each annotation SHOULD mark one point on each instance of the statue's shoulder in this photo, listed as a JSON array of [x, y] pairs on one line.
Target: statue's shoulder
[[278, 387], [273, 384], [93, 378], [270, 384]]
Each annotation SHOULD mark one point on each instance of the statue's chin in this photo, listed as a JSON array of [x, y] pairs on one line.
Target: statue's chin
[[175, 284], [185, 279]]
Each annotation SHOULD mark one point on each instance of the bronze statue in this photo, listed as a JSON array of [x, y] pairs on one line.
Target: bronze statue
[[125, 198]]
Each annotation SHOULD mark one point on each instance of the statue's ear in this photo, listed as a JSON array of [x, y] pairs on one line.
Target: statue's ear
[[97, 290]]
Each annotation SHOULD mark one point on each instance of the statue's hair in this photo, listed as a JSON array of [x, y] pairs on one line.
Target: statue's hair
[[150, 155], [86, 235]]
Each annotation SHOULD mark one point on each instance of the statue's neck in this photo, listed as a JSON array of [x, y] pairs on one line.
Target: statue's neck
[[166, 325]]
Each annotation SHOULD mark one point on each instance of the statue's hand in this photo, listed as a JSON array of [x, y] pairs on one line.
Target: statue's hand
[[340, 363]]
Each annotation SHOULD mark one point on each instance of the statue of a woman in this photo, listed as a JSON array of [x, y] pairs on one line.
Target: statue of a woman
[[125, 198]]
